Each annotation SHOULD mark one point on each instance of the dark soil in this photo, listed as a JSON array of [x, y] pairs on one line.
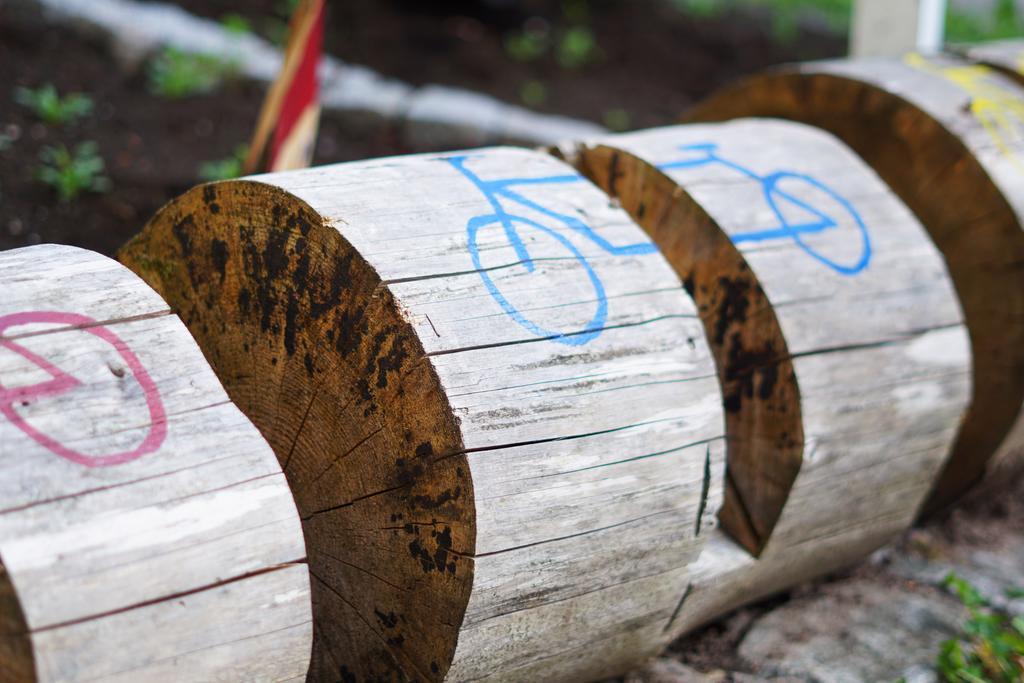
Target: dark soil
[[652, 60], [152, 147]]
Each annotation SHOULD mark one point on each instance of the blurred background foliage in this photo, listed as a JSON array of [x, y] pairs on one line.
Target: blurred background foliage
[[966, 20]]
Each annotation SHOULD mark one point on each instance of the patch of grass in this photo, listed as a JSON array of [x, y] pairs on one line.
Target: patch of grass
[[174, 74], [72, 172], [224, 169], [47, 104], [1003, 21], [990, 648]]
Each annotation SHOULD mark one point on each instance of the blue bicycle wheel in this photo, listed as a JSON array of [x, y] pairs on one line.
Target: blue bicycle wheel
[[824, 218], [570, 337]]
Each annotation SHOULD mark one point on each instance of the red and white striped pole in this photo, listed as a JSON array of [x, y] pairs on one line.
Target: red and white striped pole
[[285, 134]]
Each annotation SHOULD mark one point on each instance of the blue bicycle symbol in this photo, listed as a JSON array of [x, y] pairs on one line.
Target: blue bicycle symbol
[[778, 198], [499, 192]]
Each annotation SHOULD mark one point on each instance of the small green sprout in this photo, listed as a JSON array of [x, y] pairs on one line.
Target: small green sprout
[[530, 44], [72, 172], [174, 74], [236, 24], [47, 104], [991, 647], [577, 48], [224, 169]]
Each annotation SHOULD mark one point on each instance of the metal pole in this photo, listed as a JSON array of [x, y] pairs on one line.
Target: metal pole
[[931, 25]]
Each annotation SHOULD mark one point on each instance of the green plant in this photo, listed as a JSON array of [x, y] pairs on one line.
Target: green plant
[[72, 172], [1004, 22], [577, 47], [235, 24], [175, 74], [46, 103], [785, 14], [224, 169], [529, 44], [991, 647], [533, 93]]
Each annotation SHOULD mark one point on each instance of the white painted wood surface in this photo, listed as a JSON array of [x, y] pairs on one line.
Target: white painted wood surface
[[946, 135], [182, 558], [984, 109], [881, 356], [587, 407]]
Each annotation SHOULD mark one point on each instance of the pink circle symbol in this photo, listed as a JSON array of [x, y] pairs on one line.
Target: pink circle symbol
[[61, 382]]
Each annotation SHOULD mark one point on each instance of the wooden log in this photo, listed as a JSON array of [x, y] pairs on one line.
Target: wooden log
[[947, 137], [147, 531], [832, 318], [1005, 55], [491, 395]]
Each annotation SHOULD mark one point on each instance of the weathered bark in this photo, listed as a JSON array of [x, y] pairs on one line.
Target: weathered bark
[[809, 274], [505, 452], [147, 531], [946, 136]]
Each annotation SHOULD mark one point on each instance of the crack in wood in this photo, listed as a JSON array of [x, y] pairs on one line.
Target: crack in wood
[[605, 328], [171, 596], [86, 326], [679, 607]]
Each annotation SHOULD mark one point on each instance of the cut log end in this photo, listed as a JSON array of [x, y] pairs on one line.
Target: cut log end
[[15, 643], [950, 188], [760, 393], [316, 352]]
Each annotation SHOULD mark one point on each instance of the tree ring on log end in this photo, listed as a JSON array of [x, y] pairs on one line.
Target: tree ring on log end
[[764, 426], [317, 353], [914, 122]]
